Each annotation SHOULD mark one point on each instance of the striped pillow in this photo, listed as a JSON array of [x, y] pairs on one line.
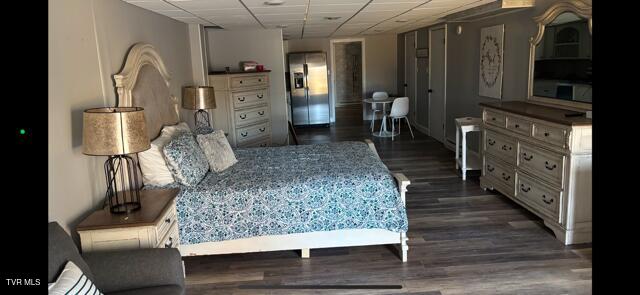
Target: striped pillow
[[72, 281]]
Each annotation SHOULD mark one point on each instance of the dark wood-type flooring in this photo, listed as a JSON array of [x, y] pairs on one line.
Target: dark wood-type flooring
[[462, 239]]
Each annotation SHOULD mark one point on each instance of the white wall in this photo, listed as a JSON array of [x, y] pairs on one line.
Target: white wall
[[88, 42], [229, 48]]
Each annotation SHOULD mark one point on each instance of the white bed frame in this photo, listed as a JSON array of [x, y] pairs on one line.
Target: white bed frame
[[144, 54]]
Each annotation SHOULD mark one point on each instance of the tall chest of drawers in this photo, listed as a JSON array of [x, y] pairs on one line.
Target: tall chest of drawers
[[243, 111], [541, 159]]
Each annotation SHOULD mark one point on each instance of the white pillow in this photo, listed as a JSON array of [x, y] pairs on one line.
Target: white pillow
[[72, 281], [152, 162], [217, 149]]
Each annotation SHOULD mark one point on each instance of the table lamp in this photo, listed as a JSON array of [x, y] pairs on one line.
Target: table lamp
[[199, 98], [117, 133]]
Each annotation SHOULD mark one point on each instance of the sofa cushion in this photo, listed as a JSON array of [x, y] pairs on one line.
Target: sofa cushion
[[158, 290], [62, 250]]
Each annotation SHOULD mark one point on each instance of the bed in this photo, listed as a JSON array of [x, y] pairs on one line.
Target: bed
[[275, 198]]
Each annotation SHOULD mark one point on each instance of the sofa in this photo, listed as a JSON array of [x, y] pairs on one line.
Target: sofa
[[142, 271]]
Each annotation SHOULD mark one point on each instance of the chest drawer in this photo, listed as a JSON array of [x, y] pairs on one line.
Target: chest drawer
[[249, 81], [262, 142], [503, 174], [494, 119], [249, 116], [552, 135], [542, 163], [500, 146], [252, 132], [520, 126], [250, 98], [165, 222], [171, 240], [544, 199]]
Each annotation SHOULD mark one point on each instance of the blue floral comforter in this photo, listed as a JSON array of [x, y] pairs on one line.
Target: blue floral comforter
[[292, 189]]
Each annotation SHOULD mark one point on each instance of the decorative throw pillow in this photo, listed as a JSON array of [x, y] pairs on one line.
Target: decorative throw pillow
[[217, 149], [154, 167], [72, 281], [186, 161]]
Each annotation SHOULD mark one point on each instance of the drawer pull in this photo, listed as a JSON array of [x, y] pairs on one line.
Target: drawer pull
[[168, 245], [260, 96], [240, 81], [241, 98], [261, 113], [490, 168], [244, 134], [506, 148], [524, 156], [546, 165], [544, 199], [259, 80], [517, 126], [263, 144], [506, 177], [493, 118], [168, 220], [243, 116], [491, 142], [262, 129], [546, 134], [523, 189]]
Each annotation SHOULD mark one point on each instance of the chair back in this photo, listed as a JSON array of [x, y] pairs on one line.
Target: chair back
[[380, 95], [400, 107]]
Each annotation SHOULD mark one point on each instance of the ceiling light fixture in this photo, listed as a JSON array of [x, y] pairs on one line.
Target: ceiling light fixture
[[273, 2], [331, 17], [401, 21], [281, 26]]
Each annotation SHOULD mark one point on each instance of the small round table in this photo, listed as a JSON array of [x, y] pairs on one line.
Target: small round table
[[383, 129]]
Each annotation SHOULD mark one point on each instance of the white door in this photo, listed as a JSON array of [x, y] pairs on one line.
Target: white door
[[410, 72], [437, 49]]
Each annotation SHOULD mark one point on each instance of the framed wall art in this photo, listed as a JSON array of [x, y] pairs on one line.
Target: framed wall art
[[491, 61]]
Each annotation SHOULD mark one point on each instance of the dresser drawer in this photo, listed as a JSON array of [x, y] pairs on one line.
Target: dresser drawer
[[495, 119], [250, 98], [171, 240], [252, 132], [165, 222], [249, 81], [545, 164], [500, 146], [249, 116], [520, 126], [552, 135], [502, 174], [260, 142], [544, 199]]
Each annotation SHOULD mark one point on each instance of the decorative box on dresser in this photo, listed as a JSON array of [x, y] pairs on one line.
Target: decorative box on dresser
[[541, 158], [154, 225], [244, 111]]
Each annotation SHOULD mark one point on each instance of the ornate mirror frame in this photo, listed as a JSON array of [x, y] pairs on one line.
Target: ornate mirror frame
[[579, 8]]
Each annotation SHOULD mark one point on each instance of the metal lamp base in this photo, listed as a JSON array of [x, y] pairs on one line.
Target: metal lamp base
[[123, 190], [201, 119]]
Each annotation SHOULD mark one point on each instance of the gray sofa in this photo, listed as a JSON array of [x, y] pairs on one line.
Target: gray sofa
[[144, 271]]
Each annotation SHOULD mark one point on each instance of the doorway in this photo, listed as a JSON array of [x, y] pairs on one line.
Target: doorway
[[437, 82], [410, 73], [347, 79]]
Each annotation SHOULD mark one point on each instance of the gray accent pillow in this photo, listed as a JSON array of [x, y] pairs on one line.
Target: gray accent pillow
[[217, 149], [185, 159]]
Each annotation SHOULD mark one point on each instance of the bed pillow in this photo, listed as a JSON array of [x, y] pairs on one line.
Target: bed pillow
[[217, 149], [154, 167], [186, 161], [175, 129], [72, 281]]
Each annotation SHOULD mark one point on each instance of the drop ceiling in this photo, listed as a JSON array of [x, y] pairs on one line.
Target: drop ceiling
[[311, 18]]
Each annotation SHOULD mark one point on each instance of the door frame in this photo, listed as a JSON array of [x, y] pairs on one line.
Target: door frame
[[415, 75], [444, 93], [332, 42]]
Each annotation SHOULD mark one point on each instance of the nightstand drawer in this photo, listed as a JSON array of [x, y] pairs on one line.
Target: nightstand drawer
[[171, 240], [166, 221]]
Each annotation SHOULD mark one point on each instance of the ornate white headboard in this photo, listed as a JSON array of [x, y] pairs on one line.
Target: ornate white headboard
[[144, 82]]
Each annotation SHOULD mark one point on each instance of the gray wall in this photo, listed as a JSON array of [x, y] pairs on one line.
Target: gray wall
[[88, 42], [229, 48]]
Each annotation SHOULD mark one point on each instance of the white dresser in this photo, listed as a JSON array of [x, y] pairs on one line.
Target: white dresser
[[243, 108], [541, 159]]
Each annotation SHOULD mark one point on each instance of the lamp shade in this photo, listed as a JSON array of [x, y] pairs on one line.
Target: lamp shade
[[198, 97], [114, 131]]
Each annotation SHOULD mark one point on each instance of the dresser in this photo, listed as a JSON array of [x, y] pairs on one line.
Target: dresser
[[541, 159], [244, 109], [154, 225]]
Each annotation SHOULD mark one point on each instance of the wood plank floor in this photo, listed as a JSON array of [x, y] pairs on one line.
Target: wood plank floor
[[462, 239]]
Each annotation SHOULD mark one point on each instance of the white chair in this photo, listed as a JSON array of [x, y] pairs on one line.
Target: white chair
[[399, 110], [375, 107]]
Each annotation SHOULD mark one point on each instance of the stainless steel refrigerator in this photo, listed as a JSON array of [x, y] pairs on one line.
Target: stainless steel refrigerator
[[309, 88]]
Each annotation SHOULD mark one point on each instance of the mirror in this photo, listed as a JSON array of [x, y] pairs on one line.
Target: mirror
[[560, 62]]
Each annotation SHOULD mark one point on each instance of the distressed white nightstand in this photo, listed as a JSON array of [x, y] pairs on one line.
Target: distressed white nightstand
[[467, 161], [154, 225]]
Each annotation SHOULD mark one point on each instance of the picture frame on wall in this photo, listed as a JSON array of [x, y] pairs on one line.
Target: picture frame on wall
[[491, 61]]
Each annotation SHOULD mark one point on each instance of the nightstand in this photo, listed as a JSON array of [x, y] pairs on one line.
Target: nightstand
[[155, 225]]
